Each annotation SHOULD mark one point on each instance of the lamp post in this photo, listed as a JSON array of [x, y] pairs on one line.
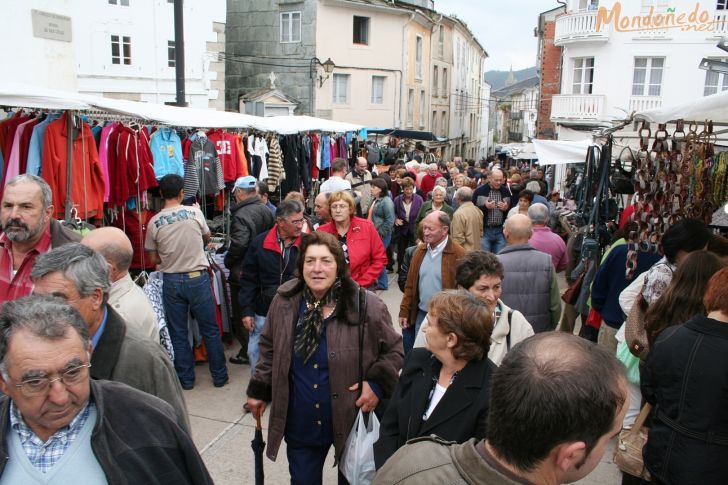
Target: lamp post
[[328, 67]]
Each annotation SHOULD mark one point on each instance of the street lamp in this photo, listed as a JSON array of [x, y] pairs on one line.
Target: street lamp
[[328, 66]]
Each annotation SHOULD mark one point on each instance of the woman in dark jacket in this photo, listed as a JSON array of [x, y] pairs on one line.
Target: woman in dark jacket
[[382, 216], [443, 389], [407, 206], [686, 381]]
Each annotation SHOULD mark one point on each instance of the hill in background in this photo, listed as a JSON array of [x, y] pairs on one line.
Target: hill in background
[[497, 79]]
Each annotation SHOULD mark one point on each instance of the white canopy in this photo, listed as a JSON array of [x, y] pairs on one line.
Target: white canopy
[[554, 152], [13, 94], [713, 107]]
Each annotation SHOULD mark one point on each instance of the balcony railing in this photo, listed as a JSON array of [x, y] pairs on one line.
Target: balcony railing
[[579, 27], [720, 23], [578, 107], [642, 103]]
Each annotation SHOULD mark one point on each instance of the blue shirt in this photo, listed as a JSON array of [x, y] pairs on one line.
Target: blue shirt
[[166, 150], [97, 336], [35, 149], [43, 455]]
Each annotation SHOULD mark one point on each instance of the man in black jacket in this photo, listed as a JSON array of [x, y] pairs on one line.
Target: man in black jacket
[[73, 429], [250, 217], [269, 262]]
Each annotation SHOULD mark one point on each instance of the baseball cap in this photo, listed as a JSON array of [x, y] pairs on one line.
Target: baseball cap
[[247, 182]]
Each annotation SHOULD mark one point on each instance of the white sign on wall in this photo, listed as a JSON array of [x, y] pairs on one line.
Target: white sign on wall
[[47, 25]]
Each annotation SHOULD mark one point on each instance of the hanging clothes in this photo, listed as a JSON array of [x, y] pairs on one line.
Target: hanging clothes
[[290, 145], [134, 224], [315, 156], [203, 172], [135, 170], [225, 145], [87, 179], [35, 147], [325, 152], [276, 174], [242, 157], [166, 148], [106, 132], [17, 162]]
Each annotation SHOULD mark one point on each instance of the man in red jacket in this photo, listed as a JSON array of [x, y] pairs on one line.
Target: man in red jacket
[[428, 180]]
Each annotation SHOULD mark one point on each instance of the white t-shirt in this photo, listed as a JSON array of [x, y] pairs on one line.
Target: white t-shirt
[[436, 396]]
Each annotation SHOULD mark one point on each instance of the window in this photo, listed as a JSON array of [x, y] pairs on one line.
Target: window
[[171, 59], [120, 50], [441, 41], [722, 5], [377, 89], [422, 108], [647, 79], [443, 123], [418, 58], [361, 30], [583, 75], [410, 107], [341, 88], [433, 127], [435, 81], [290, 27], [444, 81], [715, 81], [123, 3], [588, 5]]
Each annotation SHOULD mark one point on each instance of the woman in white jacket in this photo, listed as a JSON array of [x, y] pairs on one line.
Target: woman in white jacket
[[481, 273]]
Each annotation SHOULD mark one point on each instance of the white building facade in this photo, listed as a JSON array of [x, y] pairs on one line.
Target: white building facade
[[119, 48], [620, 57]]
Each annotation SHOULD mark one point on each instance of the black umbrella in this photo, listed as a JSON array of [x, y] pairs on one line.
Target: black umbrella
[[258, 446]]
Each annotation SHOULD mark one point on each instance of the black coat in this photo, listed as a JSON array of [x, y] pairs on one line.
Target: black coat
[[460, 415], [686, 380], [250, 217]]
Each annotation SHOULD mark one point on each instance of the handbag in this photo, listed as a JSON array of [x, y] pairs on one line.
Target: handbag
[[635, 333], [622, 181], [357, 464], [572, 292], [628, 452]]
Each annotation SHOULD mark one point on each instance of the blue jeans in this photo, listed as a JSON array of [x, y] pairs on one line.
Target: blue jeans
[[254, 341], [306, 463], [409, 334], [383, 280], [182, 294], [493, 240]]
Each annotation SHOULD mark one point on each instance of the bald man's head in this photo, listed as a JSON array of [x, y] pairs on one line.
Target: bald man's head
[[114, 246], [517, 229]]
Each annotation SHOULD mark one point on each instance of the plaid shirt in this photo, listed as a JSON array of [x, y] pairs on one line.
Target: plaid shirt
[[44, 455], [494, 217], [19, 285]]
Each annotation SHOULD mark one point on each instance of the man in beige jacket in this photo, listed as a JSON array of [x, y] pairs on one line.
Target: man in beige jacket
[[467, 222]]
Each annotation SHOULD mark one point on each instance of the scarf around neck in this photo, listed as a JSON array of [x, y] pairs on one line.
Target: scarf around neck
[[310, 324]]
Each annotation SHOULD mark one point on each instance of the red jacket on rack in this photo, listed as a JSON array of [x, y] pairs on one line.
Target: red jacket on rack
[[134, 171], [227, 152], [87, 178]]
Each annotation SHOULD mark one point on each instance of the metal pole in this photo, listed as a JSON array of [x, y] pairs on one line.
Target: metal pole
[[70, 137], [179, 53]]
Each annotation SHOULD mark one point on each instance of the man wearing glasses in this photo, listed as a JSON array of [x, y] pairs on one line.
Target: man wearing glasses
[[58, 426], [269, 262]]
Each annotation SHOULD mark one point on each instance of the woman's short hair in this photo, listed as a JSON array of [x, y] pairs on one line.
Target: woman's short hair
[[382, 185], [515, 178], [407, 182], [343, 195], [461, 313], [526, 194], [716, 294], [318, 238], [297, 196], [475, 264], [439, 188]]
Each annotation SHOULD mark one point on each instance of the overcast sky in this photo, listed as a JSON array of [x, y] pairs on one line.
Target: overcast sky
[[503, 27]]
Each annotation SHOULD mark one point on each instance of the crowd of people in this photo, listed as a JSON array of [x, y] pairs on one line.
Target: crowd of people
[[484, 381]]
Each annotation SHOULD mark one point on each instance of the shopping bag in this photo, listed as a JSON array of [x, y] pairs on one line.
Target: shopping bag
[[357, 464]]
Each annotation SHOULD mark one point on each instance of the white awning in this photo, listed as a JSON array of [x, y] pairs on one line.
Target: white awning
[[713, 107], [554, 152]]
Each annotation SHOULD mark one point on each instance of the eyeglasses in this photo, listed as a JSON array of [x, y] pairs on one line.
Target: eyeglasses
[[340, 207], [297, 222], [40, 385]]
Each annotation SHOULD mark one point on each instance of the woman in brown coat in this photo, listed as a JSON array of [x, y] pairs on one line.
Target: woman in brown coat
[[309, 359]]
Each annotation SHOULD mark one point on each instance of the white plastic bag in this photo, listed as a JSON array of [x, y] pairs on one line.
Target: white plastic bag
[[357, 464]]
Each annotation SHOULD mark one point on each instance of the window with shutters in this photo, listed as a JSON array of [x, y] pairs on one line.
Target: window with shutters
[[435, 81], [410, 107], [418, 58], [423, 101]]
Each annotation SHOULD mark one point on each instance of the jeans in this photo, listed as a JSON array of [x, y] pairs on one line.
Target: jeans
[[254, 341], [383, 280], [236, 324], [182, 294], [409, 334], [493, 240], [306, 464]]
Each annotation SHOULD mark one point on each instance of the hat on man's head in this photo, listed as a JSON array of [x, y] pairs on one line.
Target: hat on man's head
[[247, 182]]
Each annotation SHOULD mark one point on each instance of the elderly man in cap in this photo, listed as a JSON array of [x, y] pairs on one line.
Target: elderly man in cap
[[80, 276], [59, 426], [29, 229], [250, 217], [125, 296]]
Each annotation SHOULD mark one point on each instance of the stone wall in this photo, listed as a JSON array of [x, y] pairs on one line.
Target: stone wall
[[550, 70], [253, 49]]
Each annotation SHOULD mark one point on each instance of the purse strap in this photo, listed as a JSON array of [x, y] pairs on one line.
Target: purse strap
[[641, 418], [362, 301]]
